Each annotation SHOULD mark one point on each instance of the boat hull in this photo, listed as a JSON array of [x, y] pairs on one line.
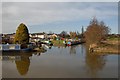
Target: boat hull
[[73, 43]]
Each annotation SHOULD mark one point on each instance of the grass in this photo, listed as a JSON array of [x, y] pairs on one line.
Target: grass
[[108, 47], [58, 43], [114, 38], [111, 45]]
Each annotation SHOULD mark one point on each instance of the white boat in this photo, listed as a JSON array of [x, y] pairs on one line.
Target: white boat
[[7, 47], [13, 47]]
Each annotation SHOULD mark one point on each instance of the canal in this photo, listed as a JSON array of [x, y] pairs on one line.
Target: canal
[[60, 62]]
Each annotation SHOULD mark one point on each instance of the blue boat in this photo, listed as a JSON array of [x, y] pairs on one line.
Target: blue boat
[[70, 43], [26, 50]]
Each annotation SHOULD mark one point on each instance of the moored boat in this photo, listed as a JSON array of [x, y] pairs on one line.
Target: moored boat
[[26, 50], [70, 43], [13, 48]]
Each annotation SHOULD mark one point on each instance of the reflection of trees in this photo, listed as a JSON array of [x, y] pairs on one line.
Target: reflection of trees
[[23, 64], [73, 50], [94, 63]]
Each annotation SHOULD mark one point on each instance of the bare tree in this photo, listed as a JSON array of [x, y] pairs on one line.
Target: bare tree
[[73, 35], [96, 31]]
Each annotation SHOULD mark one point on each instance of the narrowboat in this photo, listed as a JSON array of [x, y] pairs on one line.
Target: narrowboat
[[13, 48]]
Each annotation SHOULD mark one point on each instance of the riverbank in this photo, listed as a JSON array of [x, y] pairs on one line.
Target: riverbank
[[41, 49], [106, 50], [108, 46]]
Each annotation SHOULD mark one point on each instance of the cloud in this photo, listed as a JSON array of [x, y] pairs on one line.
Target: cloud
[[35, 13]]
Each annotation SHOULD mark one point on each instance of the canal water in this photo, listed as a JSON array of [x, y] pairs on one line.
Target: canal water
[[60, 62]]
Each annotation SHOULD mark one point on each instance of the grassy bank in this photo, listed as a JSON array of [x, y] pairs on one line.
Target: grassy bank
[[58, 43], [109, 46], [107, 49]]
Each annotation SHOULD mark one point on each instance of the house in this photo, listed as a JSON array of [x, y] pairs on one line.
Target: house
[[8, 38], [52, 35], [49, 36], [38, 35], [35, 37], [11, 37]]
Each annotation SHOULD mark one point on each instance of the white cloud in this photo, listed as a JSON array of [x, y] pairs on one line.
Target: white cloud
[[41, 13]]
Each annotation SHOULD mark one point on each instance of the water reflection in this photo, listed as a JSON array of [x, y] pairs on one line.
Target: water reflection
[[73, 49], [23, 65], [53, 62], [22, 61], [94, 63]]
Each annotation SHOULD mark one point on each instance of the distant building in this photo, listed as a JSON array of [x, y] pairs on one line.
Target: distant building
[[49, 35], [11, 37], [38, 35], [54, 35], [35, 37], [8, 38]]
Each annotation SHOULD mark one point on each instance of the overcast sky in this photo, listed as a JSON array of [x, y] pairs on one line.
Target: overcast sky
[[57, 16]]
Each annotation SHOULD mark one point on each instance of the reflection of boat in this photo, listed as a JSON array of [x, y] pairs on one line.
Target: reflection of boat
[[22, 61], [14, 55], [7, 58], [21, 50]]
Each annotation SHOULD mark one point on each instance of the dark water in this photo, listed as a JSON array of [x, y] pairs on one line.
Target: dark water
[[69, 62]]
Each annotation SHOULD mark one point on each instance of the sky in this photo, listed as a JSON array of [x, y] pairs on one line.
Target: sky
[[57, 16]]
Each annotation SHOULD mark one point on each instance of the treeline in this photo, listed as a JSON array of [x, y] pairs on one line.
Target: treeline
[[71, 34]]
